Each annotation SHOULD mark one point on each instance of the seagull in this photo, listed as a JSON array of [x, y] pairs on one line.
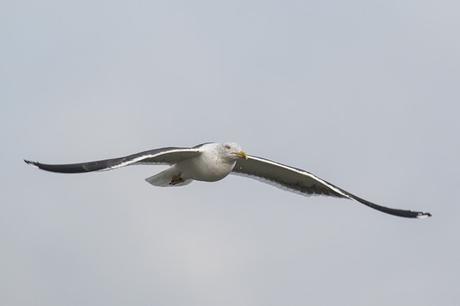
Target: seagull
[[212, 162]]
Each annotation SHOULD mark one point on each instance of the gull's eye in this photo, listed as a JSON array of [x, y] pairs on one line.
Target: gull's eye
[[227, 147]]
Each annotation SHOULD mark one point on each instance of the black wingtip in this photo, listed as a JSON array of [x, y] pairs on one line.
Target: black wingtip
[[423, 215], [391, 211], [29, 162]]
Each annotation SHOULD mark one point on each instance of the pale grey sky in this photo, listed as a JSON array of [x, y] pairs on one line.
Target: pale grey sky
[[363, 93]]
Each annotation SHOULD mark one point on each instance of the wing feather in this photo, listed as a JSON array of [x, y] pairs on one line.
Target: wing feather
[[168, 155], [301, 181]]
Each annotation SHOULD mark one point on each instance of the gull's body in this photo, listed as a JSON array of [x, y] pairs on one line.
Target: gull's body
[[209, 166], [211, 162]]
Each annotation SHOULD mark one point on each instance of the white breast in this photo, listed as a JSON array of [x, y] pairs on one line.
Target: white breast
[[208, 166]]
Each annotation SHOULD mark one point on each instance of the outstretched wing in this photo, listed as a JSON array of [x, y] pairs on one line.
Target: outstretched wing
[[170, 155], [304, 182]]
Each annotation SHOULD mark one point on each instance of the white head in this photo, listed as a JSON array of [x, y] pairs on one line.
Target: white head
[[232, 151]]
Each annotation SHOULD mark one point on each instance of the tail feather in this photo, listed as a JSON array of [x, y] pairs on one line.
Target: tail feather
[[164, 178]]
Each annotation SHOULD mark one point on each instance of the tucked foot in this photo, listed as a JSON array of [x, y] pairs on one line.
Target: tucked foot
[[176, 179]]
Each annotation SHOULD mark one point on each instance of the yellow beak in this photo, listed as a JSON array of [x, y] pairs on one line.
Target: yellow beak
[[242, 154]]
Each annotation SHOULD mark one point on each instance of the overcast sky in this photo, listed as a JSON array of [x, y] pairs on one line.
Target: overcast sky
[[364, 94]]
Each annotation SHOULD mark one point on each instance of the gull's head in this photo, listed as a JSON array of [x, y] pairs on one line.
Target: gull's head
[[233, 151]]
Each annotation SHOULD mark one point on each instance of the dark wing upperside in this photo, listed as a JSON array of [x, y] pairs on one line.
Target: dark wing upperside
[[168, 155], [304, 182]]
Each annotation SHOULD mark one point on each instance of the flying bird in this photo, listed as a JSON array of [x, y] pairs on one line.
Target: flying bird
[[212, 162]]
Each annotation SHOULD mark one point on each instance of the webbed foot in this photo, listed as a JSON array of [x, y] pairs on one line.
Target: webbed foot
[[176, 179]]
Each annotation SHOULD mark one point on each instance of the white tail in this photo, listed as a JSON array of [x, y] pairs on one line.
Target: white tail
[[165, 178]]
